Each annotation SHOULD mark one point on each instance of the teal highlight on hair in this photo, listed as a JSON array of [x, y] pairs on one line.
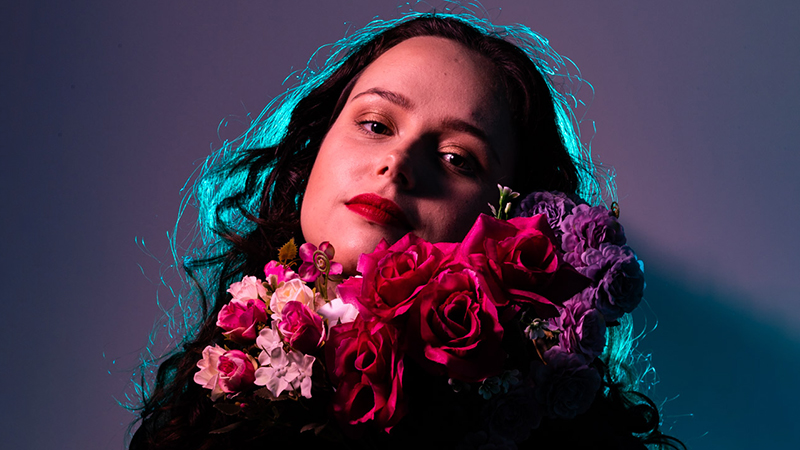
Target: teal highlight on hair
[[219, 178], [223, 175]]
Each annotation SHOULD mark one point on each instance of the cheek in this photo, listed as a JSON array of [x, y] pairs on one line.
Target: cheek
[[455, 216]]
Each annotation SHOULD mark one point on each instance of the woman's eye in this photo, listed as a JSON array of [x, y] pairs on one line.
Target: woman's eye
[[461, 163], [375, 127]]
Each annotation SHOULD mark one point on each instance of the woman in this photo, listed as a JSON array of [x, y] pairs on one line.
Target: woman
[[408, 128]]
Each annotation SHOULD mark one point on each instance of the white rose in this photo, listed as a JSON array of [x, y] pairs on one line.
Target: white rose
[[291, 291]]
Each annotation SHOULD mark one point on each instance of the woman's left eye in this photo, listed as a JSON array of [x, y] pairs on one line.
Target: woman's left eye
[[459, 162]]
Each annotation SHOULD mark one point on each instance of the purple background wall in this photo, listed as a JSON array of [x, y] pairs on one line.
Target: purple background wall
[[107, 107]]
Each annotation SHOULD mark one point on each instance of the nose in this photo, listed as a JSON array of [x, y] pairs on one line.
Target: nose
[[397, 165]]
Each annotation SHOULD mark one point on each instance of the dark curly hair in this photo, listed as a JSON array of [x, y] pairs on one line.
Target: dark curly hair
[[249, 200]]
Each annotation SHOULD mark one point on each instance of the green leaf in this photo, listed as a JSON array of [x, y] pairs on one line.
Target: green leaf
[[288, 252]]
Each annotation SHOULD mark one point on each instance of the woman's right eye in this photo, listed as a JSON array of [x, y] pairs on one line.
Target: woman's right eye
[[374, 127]]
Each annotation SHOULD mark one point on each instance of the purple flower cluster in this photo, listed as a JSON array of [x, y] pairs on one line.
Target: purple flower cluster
[[618, 280], [555, 205], [593, 241], [587, 228]]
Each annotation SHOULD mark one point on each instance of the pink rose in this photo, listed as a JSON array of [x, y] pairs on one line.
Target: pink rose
[[236, 371], [392, 276], [454, 328], [301, 328], [365, 366], [239, 319], [276, 273], [225, 371], [519, 256]]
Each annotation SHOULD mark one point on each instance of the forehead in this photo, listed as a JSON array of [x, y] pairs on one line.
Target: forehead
[[438, 74]]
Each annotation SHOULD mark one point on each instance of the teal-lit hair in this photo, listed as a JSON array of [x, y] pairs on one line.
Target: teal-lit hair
[[237, 186], [218, 179]]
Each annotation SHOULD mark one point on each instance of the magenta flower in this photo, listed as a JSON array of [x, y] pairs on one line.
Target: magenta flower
[[365, 364], [454, 328], [239, 319], [310, 269], [522, 263], [300, 327], [392, 276], [276, 273]]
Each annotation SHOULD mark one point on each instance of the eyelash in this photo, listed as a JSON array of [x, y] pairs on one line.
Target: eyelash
[[366, 127]]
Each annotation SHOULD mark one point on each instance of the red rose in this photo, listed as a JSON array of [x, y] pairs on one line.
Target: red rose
[[391, 277], [454, 327], [239, 318], [522, 262], [365, 366], [301, 328]]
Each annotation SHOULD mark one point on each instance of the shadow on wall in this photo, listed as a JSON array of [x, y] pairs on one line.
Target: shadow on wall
[[731, 379]]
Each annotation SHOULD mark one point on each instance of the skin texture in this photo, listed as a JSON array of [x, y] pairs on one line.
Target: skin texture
[[426, 127]]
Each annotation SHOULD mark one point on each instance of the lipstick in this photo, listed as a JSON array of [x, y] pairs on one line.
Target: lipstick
[[378, 210]]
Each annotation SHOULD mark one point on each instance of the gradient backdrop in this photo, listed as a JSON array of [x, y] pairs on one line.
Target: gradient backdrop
[[108, 106]]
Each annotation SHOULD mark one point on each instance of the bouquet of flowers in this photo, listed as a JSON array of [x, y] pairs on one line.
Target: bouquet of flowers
[[512, 317]]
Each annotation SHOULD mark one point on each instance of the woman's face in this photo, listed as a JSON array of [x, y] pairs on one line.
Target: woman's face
[[420, 146]]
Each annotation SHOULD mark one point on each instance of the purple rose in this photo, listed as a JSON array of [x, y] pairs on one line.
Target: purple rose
[[555, 205], [618, 280], [587, 228], [583, 328], [566, 386]]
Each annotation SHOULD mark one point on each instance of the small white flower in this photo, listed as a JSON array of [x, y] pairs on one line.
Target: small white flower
[[302, 365], [336, 311], [268, 339]]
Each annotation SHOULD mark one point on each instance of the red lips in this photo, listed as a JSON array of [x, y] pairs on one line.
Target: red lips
[[379, 210]]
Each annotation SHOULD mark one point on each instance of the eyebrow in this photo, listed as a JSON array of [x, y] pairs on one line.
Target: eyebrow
[[393, 97], [450, 123]]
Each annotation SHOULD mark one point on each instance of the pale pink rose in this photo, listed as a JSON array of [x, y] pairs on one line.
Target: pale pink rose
[[249, 287], [292, 291], [208, 376]]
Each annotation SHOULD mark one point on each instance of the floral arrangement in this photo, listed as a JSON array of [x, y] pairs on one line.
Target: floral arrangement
[[512, 318]]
